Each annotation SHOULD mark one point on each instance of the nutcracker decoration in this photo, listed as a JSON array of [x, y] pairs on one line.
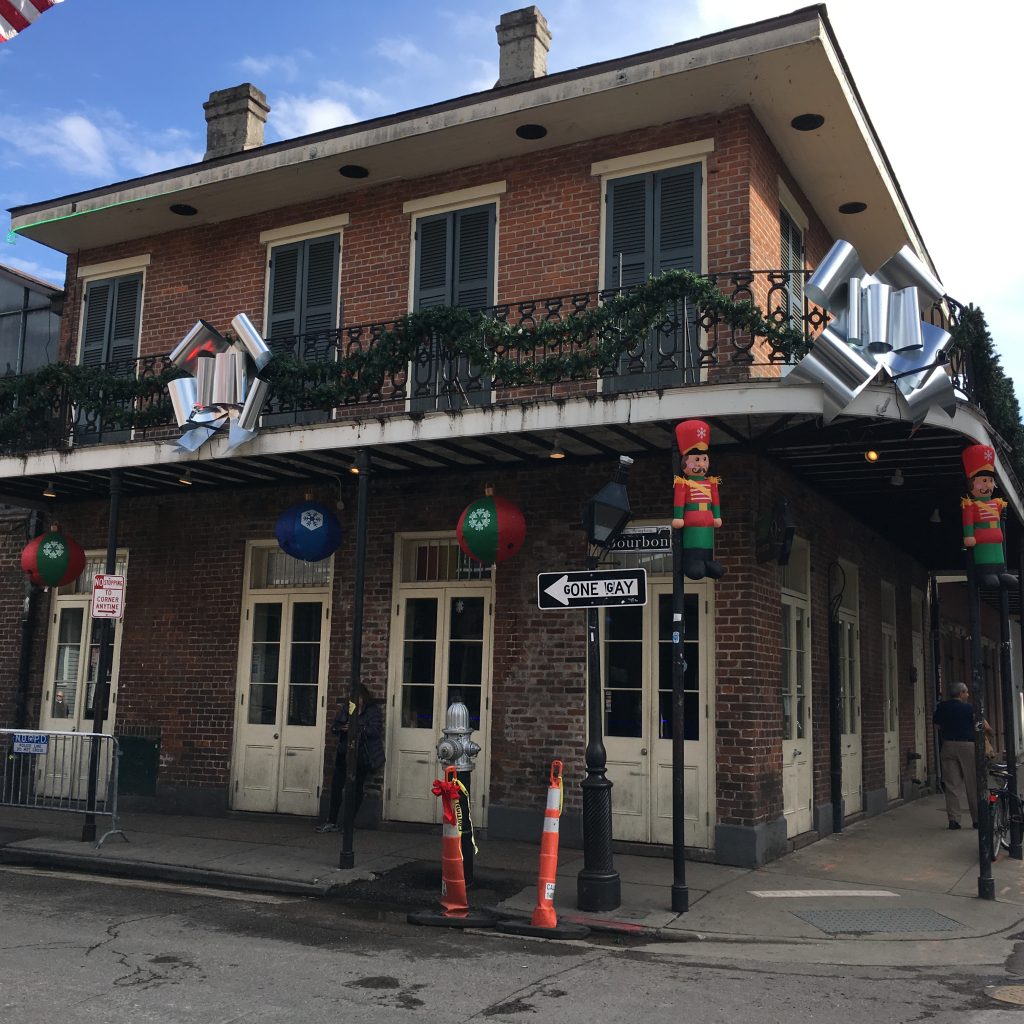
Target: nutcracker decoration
[[983, 517], [696, 509]]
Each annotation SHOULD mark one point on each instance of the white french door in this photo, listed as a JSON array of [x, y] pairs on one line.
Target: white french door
[[890, 694], [636, 670], [281, 704], [849, 681], [440, 654], [797, 692]]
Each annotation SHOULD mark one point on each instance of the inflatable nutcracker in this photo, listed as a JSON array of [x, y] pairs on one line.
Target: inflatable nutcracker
[[696, 512], [983, 517]]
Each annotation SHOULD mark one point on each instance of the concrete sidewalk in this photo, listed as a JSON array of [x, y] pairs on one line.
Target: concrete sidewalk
[[897, 876]]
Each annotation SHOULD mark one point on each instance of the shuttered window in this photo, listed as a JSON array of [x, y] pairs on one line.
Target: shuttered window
[[654, 224], [791, 254], [110, 330], [454, 267]]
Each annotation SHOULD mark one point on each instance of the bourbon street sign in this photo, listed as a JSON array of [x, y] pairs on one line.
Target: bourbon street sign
[[591, 588], [643, 538]]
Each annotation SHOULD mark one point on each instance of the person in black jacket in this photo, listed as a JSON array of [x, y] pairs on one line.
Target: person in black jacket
[[955, 719], [369, 758]]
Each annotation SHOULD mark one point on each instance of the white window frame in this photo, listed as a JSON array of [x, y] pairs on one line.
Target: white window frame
[[89, 272]]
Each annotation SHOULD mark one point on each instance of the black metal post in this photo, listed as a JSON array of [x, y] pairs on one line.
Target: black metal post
[[835, 713], [936, 630], [467, 828], [101, 694], [348, 811], [986, 885], [1009, 731], [680, 890], [597, 884]]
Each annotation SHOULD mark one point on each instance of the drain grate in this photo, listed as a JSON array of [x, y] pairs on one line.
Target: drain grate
[[863, 922]]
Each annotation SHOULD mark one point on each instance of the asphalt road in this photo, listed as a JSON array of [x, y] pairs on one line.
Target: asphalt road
[[81, 950]]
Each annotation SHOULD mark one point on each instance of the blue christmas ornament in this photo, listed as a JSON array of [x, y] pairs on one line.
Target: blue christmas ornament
[[308, 531]]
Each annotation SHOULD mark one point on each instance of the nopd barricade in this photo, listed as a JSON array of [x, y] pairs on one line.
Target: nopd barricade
[[49, 771]]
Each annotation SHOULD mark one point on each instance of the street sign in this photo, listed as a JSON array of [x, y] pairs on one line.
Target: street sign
[[591, 588], [107, 596], [30, 743], [643, 538]]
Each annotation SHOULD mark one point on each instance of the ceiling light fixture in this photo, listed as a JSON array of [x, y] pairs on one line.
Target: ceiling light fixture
[[353, 171], [807, 122], [935, 517], [897, 479], [354, 468], [871, 455], [531, 132], [557, 451], [854, 207], [48, 491], [183, 209], [186, 478]]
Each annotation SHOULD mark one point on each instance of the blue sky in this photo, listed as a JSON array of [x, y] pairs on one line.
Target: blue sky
[[101, 90]]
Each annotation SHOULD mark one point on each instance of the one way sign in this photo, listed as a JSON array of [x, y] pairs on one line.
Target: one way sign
[[592, 588]]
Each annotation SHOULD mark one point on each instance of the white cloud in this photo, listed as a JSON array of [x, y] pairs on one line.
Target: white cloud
[[40, 270], [286, 67], [300, 115], [408, 54]]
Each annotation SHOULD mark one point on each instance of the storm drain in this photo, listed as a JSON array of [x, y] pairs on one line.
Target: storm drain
[[863, 922]]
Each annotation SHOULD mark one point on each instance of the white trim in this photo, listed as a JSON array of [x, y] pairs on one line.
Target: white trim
[[113, 268], [792, 207], [653, 159], [305, 229], [446, 201]]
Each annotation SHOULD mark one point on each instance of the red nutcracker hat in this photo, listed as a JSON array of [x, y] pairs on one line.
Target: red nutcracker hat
[[979, 458], [692, 436]]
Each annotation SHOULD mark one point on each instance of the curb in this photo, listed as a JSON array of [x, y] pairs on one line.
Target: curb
[[162, 872]]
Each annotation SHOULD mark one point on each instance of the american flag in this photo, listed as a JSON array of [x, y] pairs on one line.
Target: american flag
[[18, 14]]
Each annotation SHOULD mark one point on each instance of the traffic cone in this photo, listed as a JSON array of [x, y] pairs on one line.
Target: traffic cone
[[456, 912], [544, 921]]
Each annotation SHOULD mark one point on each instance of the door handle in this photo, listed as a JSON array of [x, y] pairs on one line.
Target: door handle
[[290, 753], [422, 760], [643, 751], [277, 736], [797, 753]]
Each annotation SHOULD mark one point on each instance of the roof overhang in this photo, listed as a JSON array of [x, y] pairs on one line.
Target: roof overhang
[[780, 68]]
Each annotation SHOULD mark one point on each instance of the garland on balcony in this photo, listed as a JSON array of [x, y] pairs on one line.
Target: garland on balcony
[[544, 352]]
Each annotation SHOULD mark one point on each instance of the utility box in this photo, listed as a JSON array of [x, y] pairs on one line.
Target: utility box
[[138, 766]]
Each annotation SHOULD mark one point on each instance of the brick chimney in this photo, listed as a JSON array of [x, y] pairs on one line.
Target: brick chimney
[[234, 120], [523, 41]]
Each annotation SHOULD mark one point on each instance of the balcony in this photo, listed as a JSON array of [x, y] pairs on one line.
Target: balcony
[[358, 369]]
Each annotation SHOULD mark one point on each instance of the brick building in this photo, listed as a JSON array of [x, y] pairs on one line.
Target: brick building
[[741, 156]]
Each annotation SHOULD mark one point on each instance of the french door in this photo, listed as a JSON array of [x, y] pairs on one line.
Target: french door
[[441, 654], [636, 669], [281, 704]]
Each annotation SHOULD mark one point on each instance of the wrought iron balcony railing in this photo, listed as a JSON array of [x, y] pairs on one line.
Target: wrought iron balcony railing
[[686, 347]]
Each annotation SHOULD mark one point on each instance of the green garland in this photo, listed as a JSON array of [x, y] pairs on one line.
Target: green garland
[[577, 347]]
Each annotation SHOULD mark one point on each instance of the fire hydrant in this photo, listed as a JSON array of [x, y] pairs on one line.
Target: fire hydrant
[[456, 749]]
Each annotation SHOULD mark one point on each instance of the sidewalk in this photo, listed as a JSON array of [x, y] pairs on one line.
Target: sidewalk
[[897, 876]]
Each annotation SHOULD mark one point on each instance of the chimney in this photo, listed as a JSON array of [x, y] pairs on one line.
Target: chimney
[[523, 40], [234, 120]]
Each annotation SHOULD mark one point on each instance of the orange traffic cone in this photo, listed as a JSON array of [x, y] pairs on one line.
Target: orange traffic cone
[[544, 921], [453, 880]]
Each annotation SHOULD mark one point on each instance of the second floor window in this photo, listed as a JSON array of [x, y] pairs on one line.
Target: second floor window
[[791, 259], [303, 293], [455, 255], [110, 331]]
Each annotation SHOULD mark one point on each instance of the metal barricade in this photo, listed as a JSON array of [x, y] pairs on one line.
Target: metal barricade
[[50, 771]]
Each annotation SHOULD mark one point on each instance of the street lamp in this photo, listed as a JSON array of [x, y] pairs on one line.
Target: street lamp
[[597, 886]]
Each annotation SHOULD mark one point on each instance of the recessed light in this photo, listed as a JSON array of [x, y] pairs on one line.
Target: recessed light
[[856, 207], [871, 455], [353, 171], [531, 131], [183, 210], [807, 122]]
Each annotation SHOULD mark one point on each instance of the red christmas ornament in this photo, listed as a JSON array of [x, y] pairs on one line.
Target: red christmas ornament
[[53, 559], [491, 529]]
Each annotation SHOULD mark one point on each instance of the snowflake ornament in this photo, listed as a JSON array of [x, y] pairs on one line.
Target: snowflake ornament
[[53, 549], [311, 519], [479, 519]]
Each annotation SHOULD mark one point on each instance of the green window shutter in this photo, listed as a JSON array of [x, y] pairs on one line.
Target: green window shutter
[[474, 257], [628, 256], [284, 317], [677, 219], [434, 243], [320, 284], [791, 252], [124, 328], [98, 301]]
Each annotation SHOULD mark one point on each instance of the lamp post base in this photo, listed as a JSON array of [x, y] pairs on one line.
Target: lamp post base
[[680, 898], [598, 891]]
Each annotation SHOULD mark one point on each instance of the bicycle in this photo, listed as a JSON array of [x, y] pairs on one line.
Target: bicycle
[[1003, 813]]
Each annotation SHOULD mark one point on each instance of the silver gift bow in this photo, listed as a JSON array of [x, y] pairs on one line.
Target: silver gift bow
[[225, 388], [876, 326]]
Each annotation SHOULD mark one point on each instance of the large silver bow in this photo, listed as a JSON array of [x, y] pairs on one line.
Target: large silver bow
[[226, 387], [876, 326]]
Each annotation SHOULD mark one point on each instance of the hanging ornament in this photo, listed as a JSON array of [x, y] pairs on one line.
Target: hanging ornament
[[491, 529], [308, 531], [52, 559]]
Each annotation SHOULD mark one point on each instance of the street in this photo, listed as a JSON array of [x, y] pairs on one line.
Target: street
[[81, 949]]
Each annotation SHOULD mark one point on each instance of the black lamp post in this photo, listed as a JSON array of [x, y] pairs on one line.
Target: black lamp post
[[597, 886]]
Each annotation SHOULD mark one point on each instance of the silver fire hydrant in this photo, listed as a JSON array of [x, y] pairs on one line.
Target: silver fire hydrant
[[456, 749]]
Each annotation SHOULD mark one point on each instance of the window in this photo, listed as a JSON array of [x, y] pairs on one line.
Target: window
[[848, 621], [455, 258], [652, 224], [890, 685], [796, 666], [791, 260]]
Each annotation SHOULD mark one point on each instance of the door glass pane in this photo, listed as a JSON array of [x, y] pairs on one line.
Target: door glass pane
[[465, 654], [266, 658], [65, 675], [800, 670], [95, 632], [304, 663], [691, 677], [623, 671], [419, 649], [787, 672]]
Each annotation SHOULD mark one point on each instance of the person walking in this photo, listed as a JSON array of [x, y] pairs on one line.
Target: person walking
[[369, 757], [955, 719]]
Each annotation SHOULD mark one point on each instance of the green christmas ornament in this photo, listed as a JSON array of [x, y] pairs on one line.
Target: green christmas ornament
[[491, 529], [52, 559]]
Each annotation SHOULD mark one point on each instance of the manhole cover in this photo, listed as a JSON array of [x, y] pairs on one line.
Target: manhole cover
[[862, 922], [1009, 994]]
